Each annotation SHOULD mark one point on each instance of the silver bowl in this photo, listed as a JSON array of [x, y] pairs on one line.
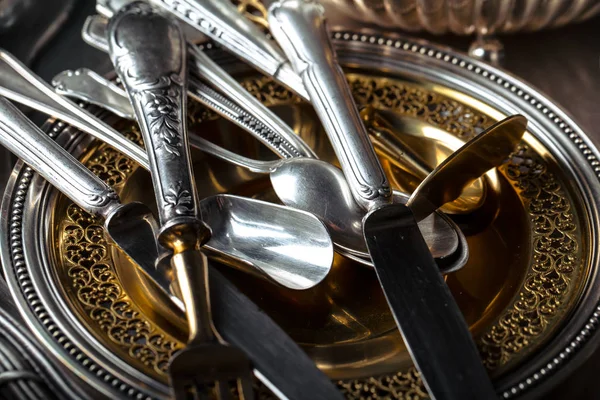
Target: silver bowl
[[462, 17]]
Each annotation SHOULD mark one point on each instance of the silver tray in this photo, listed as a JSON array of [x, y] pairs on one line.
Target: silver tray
[[28, 226]]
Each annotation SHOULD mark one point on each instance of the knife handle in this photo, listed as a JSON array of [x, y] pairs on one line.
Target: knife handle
[[221, 21], [149, 54], [300, 28], [28, 142]]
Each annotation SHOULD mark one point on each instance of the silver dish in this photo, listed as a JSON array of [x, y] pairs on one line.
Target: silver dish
[[27, 221], [463, 17]]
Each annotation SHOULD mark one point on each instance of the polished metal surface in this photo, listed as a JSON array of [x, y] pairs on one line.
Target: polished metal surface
[[86, 85], [464, 17], [220, 21], [94, 196], [299, 183], [20, 84], [423, 307], [381, 125], [345, 226], [155, 78], [243, 109], [69, 176], [299, 27], [370, 53], [307, 254], [486, 151]]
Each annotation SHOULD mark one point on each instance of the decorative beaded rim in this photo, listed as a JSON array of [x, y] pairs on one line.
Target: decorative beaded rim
[[24, 290]]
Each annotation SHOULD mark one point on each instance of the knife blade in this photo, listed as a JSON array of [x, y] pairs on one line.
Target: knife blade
[[279, 362], [429, 319], [221, 21], [419, 299]]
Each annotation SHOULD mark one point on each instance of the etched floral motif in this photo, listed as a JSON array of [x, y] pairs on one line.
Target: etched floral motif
[[164, 119], [547, 287], [180, 199]]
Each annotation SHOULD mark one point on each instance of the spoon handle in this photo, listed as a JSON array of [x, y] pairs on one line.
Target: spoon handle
[[86, 85], [20, 84], [221, 21], [154, 74], [245, 110], [24, 139], [299, 27]]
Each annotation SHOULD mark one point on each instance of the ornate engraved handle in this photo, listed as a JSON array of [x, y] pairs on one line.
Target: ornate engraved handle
[[18, 83], [245, 110], [19, 135], [299, 27], [149, 54]]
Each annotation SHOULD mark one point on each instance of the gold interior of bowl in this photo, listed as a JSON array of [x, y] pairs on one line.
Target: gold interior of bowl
[[529, 257]]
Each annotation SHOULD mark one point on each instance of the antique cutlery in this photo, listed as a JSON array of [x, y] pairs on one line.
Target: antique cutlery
[[236, 317], [419, 299], [238, 105], [397, 151], [149, 53], [221, 21], [21, 85], [444, 239]]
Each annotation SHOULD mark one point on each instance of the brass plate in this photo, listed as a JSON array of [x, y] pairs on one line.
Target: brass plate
[[529, 255]]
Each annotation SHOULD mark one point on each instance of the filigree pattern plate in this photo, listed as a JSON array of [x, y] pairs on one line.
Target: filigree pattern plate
[[527, 291]]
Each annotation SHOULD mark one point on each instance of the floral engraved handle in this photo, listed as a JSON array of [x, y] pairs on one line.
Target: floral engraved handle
[[148, 51], [299, 27], [19, 135]]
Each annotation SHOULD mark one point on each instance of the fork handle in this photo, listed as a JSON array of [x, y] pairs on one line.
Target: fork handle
[[300, 28], [191, 269]]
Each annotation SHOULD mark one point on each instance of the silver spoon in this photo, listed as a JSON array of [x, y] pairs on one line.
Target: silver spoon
[[20, 84], [445, 241], [425, 312]]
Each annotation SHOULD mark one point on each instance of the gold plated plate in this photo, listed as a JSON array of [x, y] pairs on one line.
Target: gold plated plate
[[531, 243]]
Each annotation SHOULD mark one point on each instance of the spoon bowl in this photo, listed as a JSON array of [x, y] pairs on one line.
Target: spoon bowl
[[321, 189]]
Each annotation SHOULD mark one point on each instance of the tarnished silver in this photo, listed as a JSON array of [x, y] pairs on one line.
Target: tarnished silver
[[155, 78], [68, 175], [289, 264], [300, 29], [20, 84], [220, 21], [243, 109], [133, 228], [415, 290], [344, 223], [28, 207], [154, 74], [84, 84]]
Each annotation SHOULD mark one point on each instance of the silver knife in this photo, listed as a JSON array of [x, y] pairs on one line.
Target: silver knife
[[279, 362], [426, 314]]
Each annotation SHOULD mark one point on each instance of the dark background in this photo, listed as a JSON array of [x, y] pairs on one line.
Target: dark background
[[563, 63]]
